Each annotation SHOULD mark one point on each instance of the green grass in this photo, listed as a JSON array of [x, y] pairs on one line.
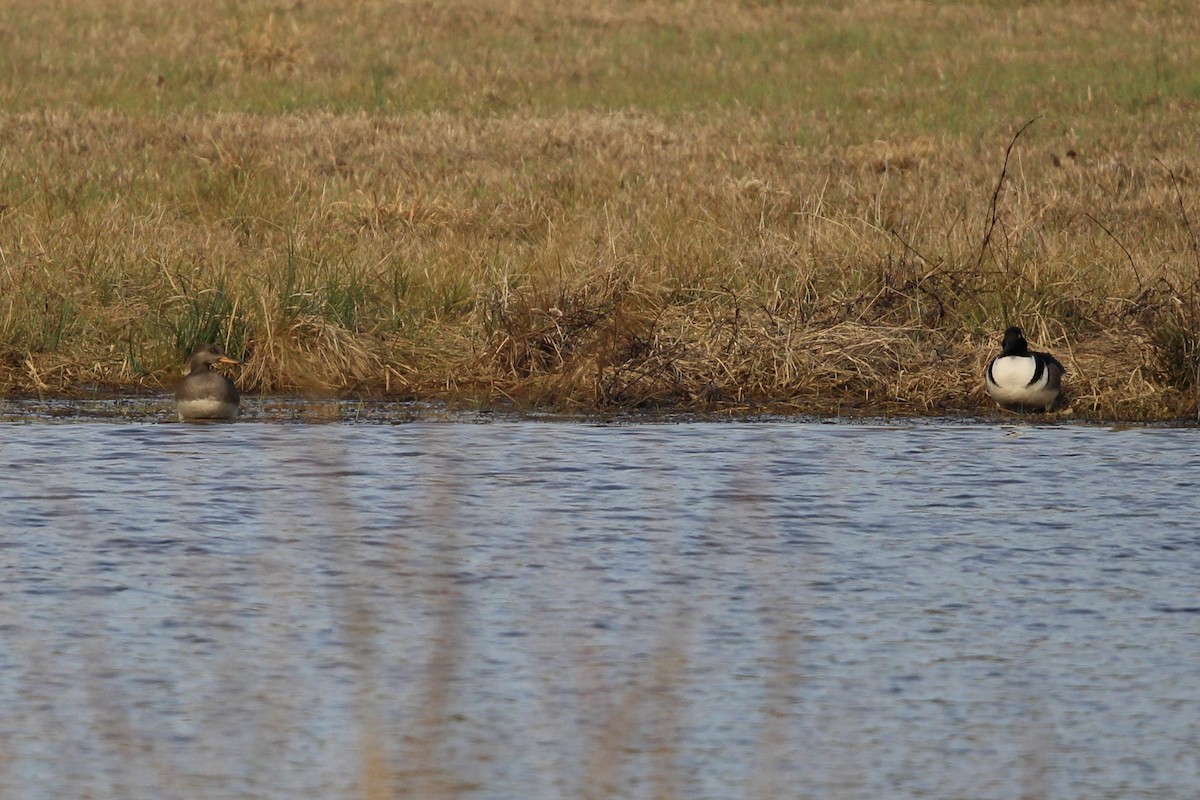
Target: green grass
[[892, 67], [652, 202]]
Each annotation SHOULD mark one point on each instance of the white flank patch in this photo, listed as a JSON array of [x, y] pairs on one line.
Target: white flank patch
[[1008, 383], [208, 408], [1013, 372]]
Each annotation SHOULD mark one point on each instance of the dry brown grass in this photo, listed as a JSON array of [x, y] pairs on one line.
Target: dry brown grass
[[817, 226]]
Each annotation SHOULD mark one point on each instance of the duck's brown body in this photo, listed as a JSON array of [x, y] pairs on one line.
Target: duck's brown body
[[204, 394]]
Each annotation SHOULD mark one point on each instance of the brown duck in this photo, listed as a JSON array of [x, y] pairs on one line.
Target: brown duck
[[204, 394]]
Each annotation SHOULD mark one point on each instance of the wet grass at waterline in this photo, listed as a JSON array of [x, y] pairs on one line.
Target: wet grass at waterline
[[738, 208]]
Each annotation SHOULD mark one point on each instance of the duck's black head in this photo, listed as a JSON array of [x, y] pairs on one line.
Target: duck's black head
[[1014, 342]]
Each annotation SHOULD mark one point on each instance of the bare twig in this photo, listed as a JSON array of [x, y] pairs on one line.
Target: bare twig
[[995, 213], [1124, 249], [1187, 222]]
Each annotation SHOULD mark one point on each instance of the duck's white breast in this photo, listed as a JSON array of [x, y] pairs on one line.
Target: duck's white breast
[[206, 408], [1013, 372], [1008, 382]]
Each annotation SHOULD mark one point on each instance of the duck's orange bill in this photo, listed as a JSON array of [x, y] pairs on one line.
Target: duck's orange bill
[[227, 360]]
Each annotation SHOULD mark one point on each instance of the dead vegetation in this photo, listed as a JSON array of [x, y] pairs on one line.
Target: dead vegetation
[[814, 255]]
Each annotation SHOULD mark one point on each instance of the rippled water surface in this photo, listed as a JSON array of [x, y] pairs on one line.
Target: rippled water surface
[[546, 610]]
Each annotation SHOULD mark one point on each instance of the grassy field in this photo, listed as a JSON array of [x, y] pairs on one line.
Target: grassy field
[[739, 206]]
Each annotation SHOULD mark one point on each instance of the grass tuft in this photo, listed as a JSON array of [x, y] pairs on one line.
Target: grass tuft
[[757, 206]]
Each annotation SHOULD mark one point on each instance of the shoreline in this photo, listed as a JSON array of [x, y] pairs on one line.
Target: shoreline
[[850, 371], [144, 404]]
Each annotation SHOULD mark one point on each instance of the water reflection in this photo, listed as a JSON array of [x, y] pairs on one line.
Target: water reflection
[[538, 610]]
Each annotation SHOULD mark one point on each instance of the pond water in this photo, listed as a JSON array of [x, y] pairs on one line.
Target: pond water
[[533, 609]]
